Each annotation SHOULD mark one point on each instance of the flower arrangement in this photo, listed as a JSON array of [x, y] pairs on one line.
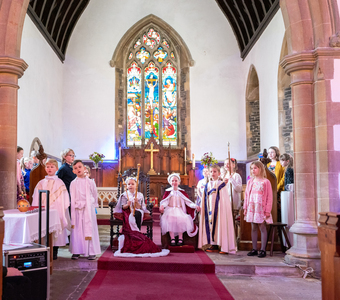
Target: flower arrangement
[[96, 157], [208, 159]]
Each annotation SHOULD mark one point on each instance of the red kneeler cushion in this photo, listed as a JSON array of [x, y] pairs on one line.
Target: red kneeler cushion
[[119, 216]]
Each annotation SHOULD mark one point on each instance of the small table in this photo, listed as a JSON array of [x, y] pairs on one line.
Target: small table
[[23, 228]]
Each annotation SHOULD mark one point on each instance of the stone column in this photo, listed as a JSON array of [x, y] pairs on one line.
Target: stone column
[[10, 70], [301, 69]]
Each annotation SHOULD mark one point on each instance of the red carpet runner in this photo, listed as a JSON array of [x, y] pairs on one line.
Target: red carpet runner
[[176, 276]]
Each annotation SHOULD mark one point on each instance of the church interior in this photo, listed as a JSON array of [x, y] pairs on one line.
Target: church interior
[[148, 88]]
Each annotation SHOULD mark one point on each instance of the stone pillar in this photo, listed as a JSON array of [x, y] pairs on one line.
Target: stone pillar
[[301, 69], [10, 70]]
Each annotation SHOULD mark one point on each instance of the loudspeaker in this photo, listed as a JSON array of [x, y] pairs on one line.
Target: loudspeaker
[[34, 263]]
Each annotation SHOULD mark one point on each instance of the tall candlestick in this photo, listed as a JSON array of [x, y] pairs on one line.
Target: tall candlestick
[[120, 159], [185, 160], [193, 161]]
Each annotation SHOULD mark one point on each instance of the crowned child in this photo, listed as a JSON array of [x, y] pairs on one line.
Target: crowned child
[[132, 242], [179, 212]]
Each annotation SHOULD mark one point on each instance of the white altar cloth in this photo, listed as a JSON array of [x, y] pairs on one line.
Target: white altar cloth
[[24, 228]]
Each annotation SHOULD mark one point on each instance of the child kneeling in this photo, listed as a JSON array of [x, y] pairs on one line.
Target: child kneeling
[[84, 199], [175, 219]]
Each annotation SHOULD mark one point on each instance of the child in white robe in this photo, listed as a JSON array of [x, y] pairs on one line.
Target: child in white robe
[[175, 219], [126, 200], [59, 200], [216, 231], [201, 185], [84, 199]]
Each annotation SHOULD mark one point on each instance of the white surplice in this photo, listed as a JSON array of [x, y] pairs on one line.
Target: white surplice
[[236, 182], [224, 230], [200, 190], [123, 199], [84, 200], [59, 200]]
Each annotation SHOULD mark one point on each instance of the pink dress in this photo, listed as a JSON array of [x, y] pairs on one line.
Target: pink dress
[[258, 201]]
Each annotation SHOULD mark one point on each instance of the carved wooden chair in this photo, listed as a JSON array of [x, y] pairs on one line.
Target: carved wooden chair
[[38, 172], [192, 241], [116, 219]]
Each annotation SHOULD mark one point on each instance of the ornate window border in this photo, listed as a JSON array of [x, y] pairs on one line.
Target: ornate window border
[[120, 62]]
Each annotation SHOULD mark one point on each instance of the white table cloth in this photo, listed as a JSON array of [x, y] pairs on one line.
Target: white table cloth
[[287, 213], [23, 227]]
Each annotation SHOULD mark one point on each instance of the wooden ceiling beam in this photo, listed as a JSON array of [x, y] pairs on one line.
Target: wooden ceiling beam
[[242, 19], [249, 16]]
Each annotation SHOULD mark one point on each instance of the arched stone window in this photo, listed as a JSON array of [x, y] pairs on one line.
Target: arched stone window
[[152, 85], [253, 114]]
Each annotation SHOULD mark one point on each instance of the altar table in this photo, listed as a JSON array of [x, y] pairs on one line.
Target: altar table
[[23, 228]]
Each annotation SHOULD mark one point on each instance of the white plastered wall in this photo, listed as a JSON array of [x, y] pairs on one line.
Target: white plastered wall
[[40, 94], [217, 110], [265, 56], [77, 97]]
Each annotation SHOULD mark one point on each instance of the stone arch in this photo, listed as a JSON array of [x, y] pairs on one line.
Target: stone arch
[[285, 105], [253, 114], [118, 61], [12, 16]]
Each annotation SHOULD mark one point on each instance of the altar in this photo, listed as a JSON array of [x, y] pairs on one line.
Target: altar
[[158, 162]]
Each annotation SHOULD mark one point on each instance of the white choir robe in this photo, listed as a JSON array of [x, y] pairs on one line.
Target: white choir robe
[[59, 200], [123, 199], [224, 231], [84, 234], [200, 190], [236, 182]]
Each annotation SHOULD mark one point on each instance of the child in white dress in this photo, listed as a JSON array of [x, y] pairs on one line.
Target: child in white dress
[[175, 219]]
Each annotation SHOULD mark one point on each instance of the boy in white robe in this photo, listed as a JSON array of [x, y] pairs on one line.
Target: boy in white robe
[[84, 200], [59, 200], [216, 231]]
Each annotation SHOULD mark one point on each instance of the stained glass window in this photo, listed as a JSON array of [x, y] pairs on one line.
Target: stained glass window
[[142, 55], [134, 89], [160, 54], [152, 89], [151, 100], [169, 105]]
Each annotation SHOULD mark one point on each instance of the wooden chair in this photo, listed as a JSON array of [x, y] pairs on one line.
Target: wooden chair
[[116, 219], [38, 172], [280, 227], [193, 241]]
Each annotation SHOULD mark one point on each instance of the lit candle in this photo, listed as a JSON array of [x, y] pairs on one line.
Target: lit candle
[[193, 161], [120, 158], [185, 153]]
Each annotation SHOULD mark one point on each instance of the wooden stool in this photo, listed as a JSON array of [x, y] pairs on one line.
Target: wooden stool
[[280, 228]]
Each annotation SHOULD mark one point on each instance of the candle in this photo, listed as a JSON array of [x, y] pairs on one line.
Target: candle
[[185, 153], [120, 158], [193, 161]]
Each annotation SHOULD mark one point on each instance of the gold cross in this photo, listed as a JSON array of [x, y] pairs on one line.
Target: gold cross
[[152, 150]]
